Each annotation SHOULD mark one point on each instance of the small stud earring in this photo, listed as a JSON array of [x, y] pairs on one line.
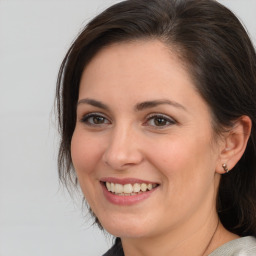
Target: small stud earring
[[225, 168]]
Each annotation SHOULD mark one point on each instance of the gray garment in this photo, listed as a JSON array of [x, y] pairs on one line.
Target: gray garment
[[244, 246]]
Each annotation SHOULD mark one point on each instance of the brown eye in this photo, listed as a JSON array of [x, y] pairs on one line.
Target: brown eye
[[159, 121], [98, 120], [95, 120]]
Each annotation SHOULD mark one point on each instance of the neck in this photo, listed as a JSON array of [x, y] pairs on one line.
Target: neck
[[197, 240]]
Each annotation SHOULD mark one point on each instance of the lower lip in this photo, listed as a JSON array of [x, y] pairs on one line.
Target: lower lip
[[126, 200]]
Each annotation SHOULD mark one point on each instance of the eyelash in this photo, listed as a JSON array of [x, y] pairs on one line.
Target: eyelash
[[85, 119], [168, 121]]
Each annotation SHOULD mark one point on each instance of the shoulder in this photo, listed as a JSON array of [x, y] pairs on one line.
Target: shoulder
[[244, 246]]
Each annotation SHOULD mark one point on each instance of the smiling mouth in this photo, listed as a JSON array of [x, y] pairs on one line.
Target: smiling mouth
[[129, 189]]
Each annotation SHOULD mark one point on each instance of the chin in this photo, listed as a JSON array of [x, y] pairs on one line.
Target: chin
[[126, 232], [121, 226]]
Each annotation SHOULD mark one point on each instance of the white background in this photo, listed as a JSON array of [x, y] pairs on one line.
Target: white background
[[37, 217]]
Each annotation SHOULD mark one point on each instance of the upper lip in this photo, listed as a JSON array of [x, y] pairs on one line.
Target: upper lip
[[126, 181]]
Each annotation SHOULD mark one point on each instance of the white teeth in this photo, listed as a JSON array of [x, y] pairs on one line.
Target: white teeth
[[108, 186], [129, 189], [112, 187], [136, 187], [119, 188], [143, 187]]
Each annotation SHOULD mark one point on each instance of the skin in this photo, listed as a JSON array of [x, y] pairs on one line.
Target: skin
[[182, 154]]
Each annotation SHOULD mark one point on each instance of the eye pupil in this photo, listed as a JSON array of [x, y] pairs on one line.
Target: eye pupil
[[98, 120], [160, 121]]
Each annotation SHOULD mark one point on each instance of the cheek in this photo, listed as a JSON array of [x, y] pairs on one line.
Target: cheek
[[184, 160], [85, 153], [187, 166]]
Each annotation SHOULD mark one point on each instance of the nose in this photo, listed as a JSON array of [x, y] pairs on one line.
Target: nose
[[123, 149]]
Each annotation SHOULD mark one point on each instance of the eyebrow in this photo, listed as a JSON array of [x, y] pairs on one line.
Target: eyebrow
[[94, 103], [139, 107], [155, 103]]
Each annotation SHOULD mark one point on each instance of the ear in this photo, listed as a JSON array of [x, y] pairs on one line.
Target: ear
[[234, 144]]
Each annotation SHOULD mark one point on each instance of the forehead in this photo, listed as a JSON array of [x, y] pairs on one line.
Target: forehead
[[147, 65]]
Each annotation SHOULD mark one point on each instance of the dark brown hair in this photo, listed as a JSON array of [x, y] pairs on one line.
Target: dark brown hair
[[220, 57]]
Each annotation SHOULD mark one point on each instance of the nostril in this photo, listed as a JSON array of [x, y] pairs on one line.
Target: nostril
[[122, 160], [123, 149]]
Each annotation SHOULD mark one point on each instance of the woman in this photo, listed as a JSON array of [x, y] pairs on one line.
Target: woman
[[157, 113]]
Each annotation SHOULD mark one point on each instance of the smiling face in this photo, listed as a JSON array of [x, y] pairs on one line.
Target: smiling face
[[143, 146]]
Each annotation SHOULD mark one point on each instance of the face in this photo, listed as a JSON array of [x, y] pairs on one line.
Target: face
[[143, 145]]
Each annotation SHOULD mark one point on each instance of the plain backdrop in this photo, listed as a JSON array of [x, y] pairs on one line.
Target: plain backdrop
[[37, 217]]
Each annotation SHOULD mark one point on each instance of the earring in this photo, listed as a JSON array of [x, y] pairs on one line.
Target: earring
[[225, 168]]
